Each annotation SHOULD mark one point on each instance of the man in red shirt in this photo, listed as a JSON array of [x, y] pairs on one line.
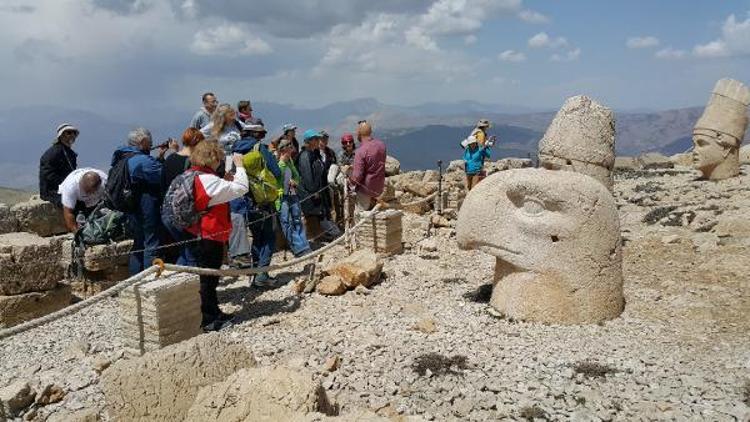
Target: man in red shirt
[[368, 174]]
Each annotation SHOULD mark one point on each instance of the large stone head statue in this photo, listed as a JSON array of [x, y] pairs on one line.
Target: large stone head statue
[[719, 131], [581, 138], [556, 236]]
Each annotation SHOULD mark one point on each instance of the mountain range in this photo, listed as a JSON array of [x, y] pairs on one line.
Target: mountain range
[[417, 135]]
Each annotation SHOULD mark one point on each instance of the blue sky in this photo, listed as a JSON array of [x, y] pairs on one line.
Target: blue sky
[[121, 55]]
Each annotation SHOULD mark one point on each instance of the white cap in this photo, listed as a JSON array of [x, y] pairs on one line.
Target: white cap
[[65, 127]]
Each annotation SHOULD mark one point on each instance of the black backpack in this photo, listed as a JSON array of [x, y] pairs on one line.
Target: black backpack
[[121, 195]]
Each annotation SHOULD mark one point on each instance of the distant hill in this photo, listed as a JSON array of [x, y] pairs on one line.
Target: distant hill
[[420, 134], [10, 196], [422, 148]]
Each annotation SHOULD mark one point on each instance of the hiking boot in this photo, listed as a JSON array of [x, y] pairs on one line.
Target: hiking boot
[[225, 317], [264, 281]]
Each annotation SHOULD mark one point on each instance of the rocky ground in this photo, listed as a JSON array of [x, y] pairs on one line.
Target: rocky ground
[[423, 343]]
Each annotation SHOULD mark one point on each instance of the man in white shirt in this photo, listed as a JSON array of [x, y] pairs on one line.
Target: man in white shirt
[[81, 192]]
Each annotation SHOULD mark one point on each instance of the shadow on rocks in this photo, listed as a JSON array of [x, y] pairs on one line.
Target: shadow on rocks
[[481, 294]]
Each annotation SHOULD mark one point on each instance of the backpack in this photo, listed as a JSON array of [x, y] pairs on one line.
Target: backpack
[[119, 190], [179, 202], [263, 185], [103, 226]]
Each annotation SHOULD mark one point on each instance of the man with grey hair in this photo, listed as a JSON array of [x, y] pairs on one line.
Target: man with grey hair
[[144, 172], [80, 193]]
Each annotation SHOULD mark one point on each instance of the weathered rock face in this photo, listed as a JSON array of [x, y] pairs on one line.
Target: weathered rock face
[[360, 268], [556, 237], [160, 312], [331, 286], [745, 154], [654, 160], [720, 130], [581, 138], [27, 263], [392, 166], [14, 398], [40, 217], [27, 306], [261, 394], [162, 385], [8, 222]]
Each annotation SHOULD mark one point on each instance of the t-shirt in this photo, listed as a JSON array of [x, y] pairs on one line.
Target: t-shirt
[[70, 189]]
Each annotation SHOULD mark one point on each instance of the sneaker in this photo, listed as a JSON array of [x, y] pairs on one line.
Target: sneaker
[[216, 325], [241, 262]]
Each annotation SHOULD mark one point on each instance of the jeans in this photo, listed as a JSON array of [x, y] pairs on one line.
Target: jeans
[[145, 225], [239, 245], [291, 225], [264, 238], [185, 253]]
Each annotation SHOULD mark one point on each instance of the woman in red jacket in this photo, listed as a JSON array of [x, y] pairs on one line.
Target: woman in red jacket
[[212, 196]]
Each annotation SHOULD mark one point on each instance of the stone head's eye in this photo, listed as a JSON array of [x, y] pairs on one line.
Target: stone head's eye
[[701, 142], [532, 207]]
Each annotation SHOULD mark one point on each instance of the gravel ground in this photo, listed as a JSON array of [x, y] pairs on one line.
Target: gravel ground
[[422, 341]]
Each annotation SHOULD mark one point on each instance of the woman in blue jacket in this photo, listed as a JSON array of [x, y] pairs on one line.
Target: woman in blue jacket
[[474, 156]]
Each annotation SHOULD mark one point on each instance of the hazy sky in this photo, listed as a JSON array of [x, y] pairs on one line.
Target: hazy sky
[[125, 54]]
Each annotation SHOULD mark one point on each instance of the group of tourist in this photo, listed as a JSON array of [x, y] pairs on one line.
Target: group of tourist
[[233, 181]]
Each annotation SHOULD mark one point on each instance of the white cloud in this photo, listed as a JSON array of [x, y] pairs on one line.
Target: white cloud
[[670, 53], [454, 17], [470, 39], [543, 40], [228, 39], [512, 56], [569, 56], [734, 41], [532, 16], [642, 42]]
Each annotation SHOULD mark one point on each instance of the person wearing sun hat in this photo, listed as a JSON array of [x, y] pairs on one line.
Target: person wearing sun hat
[[57, 163]]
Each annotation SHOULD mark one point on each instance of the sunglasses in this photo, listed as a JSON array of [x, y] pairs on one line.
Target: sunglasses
[[361, 121], [347, 143]]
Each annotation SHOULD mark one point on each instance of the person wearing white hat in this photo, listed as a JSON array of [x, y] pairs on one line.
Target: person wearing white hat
[[57, 163], [474, 156]]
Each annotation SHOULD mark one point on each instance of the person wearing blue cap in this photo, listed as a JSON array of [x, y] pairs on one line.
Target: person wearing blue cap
[[313, 180]]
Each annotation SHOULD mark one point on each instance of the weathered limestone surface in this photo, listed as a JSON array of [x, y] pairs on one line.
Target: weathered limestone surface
[[8, 221], [160, 312], [261, 394], [745, 154], [360, 268], [382, 234], [392, 166], [162, 385], [40, 217], [556, 236], [27, 306], [27, 263], [99, 257], [581, 138], [720, 130]]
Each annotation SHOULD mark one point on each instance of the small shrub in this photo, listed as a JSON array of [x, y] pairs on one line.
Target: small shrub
[[592, 369], [533, 412], [439, 364]]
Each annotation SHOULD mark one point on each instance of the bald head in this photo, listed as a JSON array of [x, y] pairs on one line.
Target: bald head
[[364, 130], [90, 182]]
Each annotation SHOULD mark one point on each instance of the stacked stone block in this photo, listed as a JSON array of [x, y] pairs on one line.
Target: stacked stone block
[[382, 234], [30, 282], [103, 267], [160, 312]]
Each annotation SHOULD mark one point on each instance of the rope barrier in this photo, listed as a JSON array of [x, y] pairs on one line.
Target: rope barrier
[[78, 306], [17, 329]]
